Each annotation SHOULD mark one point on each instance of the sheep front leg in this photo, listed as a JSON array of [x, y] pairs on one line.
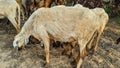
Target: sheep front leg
[[46, 43], [66, 48], [45, 38], [73, 44]]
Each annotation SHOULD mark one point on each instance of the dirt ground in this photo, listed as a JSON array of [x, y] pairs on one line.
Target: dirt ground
[[33, 56]]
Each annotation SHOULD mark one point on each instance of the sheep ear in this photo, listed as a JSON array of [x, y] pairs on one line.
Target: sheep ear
[[14, 44], [26, 41]]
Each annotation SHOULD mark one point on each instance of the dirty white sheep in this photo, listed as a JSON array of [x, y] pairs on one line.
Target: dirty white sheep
[[64, 24], [11, 10]]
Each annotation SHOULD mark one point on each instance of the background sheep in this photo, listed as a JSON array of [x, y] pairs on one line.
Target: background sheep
[[89, 3], [11, 10]]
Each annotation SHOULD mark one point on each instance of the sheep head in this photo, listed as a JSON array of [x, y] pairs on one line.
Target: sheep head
[[20, 41]]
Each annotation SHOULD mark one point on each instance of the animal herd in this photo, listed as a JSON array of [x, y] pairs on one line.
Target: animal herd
[[75, 25]]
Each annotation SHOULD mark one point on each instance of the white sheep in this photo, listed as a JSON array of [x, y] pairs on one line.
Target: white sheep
[[64, 24], [11, 10]]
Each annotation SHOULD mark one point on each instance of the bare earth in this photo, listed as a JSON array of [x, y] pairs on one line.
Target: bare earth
[[33, 56]]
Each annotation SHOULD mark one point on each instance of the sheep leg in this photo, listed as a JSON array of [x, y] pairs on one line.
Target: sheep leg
[[81, 54], [80, 58], [72, 48], [97, 38], [12, 20], [17, 16], [75, 2], [23, 11], [66, 48], [46, 46], [43, 35], [89, 44], [23, 14], [48, 3], [96, 42]]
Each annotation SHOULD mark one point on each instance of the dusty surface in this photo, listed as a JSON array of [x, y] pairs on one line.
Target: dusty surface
[[32, 56]]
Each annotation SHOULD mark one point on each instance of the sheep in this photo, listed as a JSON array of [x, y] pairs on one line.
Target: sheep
[[11, 10], [47, 3], [90, 3], [39, 3], [60, 2], [75, 2], [64, 24], [21, 2], [29, 6]]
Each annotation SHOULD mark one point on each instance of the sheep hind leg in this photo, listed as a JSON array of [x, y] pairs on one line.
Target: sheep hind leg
[[89, 44], [81, 53], [80, 58], [17, 27], [97, 38], [23, 14], [96, 42]]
